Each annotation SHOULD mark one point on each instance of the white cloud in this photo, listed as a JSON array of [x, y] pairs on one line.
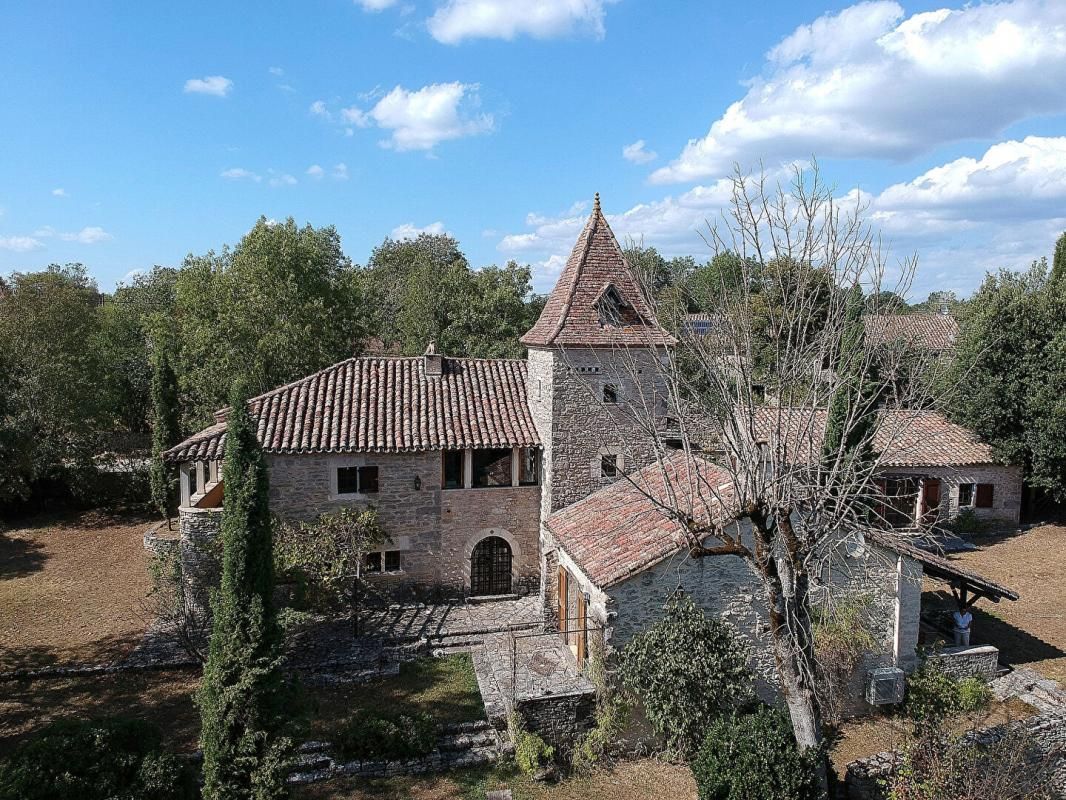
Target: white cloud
[[636, 153], [277, 72], [374, 6], [240, 174], [458, 20], [44, 232], [88, 235], [872, 82], [20, 244], [355, 116], [212, 84], [316, 171], [421, 119], [318, 108], [410, 231], [281, 179], [60, 192], [340, 172]]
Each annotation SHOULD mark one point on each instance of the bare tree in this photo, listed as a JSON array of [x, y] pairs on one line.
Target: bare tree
[[780, 361]]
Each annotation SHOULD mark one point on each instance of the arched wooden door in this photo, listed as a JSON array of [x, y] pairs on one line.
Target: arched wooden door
[[490, 567]]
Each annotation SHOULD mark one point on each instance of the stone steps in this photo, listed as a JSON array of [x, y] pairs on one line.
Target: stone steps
[[1029, 686]]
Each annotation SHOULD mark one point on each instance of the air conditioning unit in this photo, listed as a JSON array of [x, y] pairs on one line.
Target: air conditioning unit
[[885, 686]]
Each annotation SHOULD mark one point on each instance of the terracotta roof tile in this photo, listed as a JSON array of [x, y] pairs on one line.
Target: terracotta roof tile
[[380, 404], [571, 316], [925, 331], [906, 438], [622, 529]]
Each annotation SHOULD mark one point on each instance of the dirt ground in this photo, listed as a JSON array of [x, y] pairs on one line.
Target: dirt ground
[[1030, 631], [629, 780], [72, 589]]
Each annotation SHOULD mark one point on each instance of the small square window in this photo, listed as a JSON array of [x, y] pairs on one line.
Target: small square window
[[372, 562], [609, 466], [347, 480], [368, 480], [966, 492], [610, 393], [392, 560]]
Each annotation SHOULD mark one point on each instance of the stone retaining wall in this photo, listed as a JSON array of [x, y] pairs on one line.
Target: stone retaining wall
[[558, 719], [1048, 732], [981, 661]]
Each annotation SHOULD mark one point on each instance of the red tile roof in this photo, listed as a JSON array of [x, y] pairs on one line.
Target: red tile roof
[[905, 437], [571, 315], [623, 529], [925, 331], [386, 405]]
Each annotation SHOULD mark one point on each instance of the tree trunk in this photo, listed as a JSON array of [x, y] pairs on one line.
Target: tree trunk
[[788, 593]]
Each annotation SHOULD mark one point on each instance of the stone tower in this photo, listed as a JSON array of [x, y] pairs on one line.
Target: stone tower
[[593, 380]]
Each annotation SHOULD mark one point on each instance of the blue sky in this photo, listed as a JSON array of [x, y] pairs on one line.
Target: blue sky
[[136, 133]]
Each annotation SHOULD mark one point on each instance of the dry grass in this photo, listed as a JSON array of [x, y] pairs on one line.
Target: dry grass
[[1030, 631], [164, 698], [71, 589], [630, 780]]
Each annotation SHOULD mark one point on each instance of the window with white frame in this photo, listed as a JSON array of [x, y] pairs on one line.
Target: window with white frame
[[966, 494], [382, 562]]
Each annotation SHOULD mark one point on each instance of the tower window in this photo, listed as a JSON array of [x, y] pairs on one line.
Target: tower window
[[610, 393], [609, 466]]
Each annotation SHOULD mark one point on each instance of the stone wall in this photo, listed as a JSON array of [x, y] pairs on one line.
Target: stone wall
[[559, 720], [981, 661], [199, 550], [726, 587], [435, 529], [1048, 732], [1006, 497]]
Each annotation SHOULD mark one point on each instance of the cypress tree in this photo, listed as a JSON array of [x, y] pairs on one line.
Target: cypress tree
[[166, 431], [240, 697], [1058, 263], [852, 372]]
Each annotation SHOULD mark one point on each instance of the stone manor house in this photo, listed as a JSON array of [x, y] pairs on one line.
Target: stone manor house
[[513, 477]]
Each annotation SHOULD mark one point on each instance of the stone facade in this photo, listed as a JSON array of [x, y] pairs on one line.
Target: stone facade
[[981, 661], [434, 529], [726, 587], [1006, 497]]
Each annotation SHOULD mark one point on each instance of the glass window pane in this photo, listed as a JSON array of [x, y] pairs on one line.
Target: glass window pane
[[373, 562], [392, 560], [453, 469], [368, 480], [529, 466], [347, 480], [492, 467], [966, 494]]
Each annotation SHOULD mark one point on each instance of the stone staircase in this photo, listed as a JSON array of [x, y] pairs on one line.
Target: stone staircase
[[1045, 695], [465, 744]]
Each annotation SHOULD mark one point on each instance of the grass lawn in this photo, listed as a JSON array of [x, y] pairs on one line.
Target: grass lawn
[[72, 589], [628, 780], [445, 688]]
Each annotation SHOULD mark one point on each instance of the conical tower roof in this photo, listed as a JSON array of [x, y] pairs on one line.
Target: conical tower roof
[[597, 301]]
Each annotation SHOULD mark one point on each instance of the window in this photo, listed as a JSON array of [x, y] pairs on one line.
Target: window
[[966, 493], [389, 559], [528, 466], [357, 480], [901, 501], [610, 393], [609, 466], [611, 306], [491, 467], [453, 477], [984, 496]]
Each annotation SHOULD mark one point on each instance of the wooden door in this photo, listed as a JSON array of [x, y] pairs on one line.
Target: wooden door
[[564, 590], [930, 498]]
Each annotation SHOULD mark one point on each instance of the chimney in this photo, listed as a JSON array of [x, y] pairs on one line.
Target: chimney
[[434, 361]]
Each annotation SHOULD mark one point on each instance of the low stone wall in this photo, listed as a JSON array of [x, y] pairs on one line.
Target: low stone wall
[[981, 661], [1048, 731], [160, 540], [558, 719], [199, 551]]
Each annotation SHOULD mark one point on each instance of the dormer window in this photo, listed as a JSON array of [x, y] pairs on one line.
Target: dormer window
[[611, 305]]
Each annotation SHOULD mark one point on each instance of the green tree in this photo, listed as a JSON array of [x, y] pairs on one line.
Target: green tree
[[281, 304], [56, 397], [241, 693], [886, 302], [166, 430], [754, 757], [722, 279], [854, 397], [687, 669], [1058, 263]]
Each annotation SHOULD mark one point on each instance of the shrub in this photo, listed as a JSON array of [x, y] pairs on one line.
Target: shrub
[[754, 757], [368, 735], [967, 521], [842, 638], [532, 753], [612, 715], [933, 696], [687, 669], [103, 759]]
